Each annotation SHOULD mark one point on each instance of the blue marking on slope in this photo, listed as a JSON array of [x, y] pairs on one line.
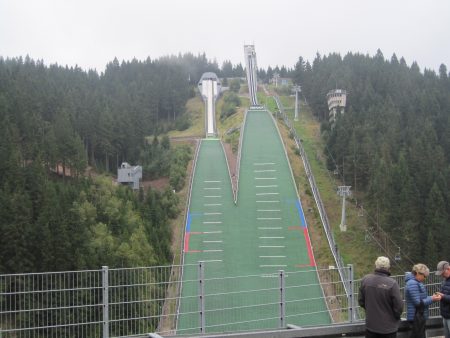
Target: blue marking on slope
[[300, 213], [188, 223]]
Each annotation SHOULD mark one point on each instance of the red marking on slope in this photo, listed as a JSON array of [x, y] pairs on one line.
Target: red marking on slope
[[308, 246], [186, 241]]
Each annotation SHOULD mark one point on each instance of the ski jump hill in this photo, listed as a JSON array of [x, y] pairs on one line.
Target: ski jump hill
[[259, 231]]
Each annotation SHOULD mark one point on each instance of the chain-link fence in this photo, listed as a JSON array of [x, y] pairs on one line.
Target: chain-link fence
[[127, 302], [94, 303]]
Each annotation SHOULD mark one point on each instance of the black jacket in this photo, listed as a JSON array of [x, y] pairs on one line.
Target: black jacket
[[380, 296], [445, 302]]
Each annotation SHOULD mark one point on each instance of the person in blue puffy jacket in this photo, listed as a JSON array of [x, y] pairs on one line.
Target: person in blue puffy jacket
[[417, 292]]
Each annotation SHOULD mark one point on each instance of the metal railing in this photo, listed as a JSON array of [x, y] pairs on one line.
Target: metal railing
[[129, 302], [91, 303], [240, 303], [433, 328]]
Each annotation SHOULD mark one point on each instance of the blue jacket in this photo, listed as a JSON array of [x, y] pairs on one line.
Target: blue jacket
[[445, 301], [415, 292]]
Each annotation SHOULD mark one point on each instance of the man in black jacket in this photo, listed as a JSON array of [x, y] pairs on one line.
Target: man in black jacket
[[380, 296], [443, 269]]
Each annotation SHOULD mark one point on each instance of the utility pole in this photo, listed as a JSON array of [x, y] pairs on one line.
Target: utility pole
[[344, 191], [297, 89]]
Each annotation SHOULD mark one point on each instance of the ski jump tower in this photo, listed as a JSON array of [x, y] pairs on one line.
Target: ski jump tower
[[337, 100], [209, 87], [250, 63]]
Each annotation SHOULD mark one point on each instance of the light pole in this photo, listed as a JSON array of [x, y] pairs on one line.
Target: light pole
[[344, 191], [297, 89]]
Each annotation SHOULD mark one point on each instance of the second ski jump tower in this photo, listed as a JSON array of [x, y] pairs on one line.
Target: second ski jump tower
[[250, 63]]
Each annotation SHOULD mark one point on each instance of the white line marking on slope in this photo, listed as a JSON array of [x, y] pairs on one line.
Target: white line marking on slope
[[269, 228], [271, 237]]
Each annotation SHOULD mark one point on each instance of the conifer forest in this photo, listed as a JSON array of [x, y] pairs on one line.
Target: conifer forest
[[60, 125]]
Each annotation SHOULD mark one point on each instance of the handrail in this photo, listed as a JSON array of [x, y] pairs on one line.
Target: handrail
[[433, 328], [24, 307]]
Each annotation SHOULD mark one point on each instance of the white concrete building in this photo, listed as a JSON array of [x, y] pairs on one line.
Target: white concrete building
[[337, 100], [130, 175]]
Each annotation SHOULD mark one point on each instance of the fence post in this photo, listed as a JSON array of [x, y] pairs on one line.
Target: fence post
[[201, 295], [105, 288], [351, 293], [282, 300]]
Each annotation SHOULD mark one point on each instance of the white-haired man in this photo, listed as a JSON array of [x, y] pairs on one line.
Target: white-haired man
[[380, 297]]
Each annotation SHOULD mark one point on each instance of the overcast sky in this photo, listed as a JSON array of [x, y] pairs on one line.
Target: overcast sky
[[90, 33]]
